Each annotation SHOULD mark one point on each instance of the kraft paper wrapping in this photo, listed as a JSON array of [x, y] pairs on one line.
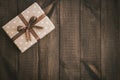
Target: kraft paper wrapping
[[11, 27]]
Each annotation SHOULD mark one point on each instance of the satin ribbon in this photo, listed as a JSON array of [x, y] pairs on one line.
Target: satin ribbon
[[28, 27]]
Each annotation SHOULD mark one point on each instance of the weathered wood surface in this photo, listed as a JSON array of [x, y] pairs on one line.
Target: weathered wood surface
[[8, 52], [69, 40], [86, 30], [109, 39], [90, 36]]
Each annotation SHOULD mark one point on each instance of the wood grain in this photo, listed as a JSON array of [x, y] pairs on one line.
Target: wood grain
[[49, 52], [90, 36], [109, 38], [118, 55], [8, 52], [69, 40]]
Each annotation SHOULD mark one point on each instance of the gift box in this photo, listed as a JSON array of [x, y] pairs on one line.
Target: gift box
[[28, 27]]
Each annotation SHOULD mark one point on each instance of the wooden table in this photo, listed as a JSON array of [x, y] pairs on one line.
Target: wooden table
[[86, 30]]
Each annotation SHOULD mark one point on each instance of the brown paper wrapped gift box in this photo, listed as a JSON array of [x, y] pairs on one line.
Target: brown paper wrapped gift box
[[46, 26]]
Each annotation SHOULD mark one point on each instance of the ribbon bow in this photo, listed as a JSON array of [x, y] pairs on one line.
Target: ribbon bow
[[28, 28]]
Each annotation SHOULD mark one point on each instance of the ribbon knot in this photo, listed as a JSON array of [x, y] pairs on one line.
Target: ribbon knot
[[29, 27]]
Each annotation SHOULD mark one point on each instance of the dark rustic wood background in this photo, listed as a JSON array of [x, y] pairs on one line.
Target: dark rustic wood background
[[86, 30]]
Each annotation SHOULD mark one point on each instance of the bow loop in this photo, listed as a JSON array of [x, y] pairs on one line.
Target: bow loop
[[20, 28], [32, 20]]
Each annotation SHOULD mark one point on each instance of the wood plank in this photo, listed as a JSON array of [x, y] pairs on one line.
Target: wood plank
[[90, 36], [118, 55], [69, 40], [28, 61], [8, 51], [49, 52], [109, 38]]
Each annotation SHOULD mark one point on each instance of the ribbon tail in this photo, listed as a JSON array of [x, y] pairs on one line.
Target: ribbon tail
[[38, 27], [29, 36], [27, 33]]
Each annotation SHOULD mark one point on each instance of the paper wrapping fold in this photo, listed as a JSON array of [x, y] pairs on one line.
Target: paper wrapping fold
[[11, 27]]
